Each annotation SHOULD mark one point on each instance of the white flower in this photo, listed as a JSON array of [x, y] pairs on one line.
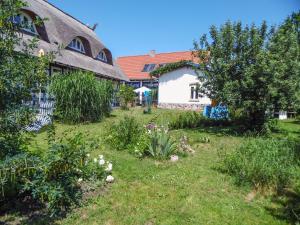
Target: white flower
[[101, 162], [101, 157], [109, 167], [149, 131], [110, 179], [88, 155], [80, 180], [95, 160]]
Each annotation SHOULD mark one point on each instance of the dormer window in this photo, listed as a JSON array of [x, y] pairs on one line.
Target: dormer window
[[149, 67], [77, 45], [101, 56], [25, 22]]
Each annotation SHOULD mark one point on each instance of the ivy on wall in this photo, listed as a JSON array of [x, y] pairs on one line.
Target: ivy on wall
[[171, 67]]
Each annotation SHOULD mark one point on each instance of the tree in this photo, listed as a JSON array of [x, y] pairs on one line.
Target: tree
[[20, 73], [237, 64], [284, 63]]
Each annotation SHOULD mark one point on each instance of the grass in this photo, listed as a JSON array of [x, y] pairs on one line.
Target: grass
[[191, 191]]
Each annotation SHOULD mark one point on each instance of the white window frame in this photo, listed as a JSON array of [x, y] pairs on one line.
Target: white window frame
[[102, 56], [194, 96], [29, 26], [77, 45]]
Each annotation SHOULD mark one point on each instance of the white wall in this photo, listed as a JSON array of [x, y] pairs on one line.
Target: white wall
[[174, 87]]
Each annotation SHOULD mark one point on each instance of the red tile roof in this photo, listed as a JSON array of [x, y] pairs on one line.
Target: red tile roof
[[132, 66]]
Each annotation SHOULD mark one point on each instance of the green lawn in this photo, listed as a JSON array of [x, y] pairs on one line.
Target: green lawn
[[191, 191]]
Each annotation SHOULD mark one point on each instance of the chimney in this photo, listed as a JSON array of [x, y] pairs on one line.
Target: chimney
[[152, 53], [95, 26]]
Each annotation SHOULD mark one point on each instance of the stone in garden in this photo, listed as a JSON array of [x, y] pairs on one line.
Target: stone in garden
[[174, 158]]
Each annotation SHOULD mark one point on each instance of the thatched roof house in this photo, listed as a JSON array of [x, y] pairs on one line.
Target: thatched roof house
[[78, 45]]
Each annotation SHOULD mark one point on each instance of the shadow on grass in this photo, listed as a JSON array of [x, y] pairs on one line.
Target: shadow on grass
[[25, 212], [297, 122], [289, 210]]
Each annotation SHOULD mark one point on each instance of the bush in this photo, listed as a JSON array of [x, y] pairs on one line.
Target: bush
[[124, 134], [141, 146], [262, 163], [80, 97], [161, 146], [54, 179], [126, 95], [188, 119], [13, 139], [192, 119]]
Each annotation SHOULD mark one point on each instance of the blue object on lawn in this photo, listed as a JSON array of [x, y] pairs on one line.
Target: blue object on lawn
[[219, 112], [206, 111]]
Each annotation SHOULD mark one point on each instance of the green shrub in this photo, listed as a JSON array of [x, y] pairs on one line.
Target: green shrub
[[124, 134], [192, 119], [141, 146], [80, 97], [13, 140], [161, 146], [54, 179], [262, 163], [126, 95], [189, 119]]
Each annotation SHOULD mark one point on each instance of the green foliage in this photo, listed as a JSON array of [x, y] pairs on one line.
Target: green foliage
[[171, 67], [15, 171], [124, 134], [141, 147], [192, 119], [20, 73], [54, 179], [252, 68], [80, 97], [57, 183], [126, 95], [284, 55], [161, 145], [262, 162], [189, 119], [13, 140]]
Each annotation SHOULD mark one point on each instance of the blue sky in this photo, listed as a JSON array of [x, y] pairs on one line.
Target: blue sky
[[133, 27]]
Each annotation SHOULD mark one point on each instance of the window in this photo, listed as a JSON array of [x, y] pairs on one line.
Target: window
[[194, 91], [101, 56], [149, 67], [25, 22], [77, 45]]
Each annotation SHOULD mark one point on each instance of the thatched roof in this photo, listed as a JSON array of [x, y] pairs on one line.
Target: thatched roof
[[60, 29]]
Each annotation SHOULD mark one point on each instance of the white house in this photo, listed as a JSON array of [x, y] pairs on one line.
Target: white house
[[177, 89]]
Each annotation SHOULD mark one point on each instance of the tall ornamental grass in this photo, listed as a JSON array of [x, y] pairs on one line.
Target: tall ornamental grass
[[80, 97], [264, 163]]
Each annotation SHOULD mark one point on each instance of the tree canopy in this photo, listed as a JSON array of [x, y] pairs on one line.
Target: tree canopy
[[253, 69]]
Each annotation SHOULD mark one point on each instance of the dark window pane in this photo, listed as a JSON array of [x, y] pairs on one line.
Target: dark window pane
[[192, 92], [145, 68]]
